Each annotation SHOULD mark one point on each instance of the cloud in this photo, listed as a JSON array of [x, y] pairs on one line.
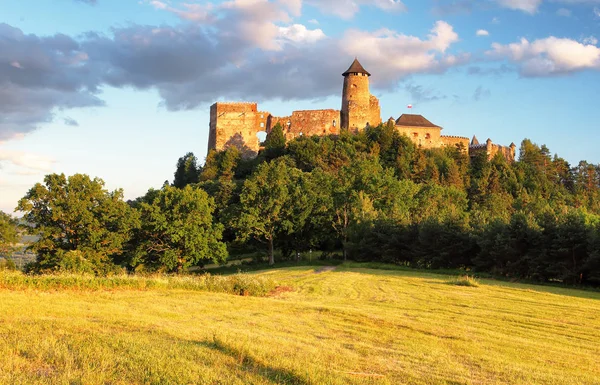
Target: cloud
[[589, 40], [564, 12], [31, 162], [70, 122], [482, 32], [487, 71], [528, 6], [396, 55], [300, 34], [90, 2], [419, 94], [549, 56], [39, 75], [481, 93], [347, 9]]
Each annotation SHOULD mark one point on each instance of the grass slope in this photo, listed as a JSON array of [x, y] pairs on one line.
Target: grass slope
[[346, 326]]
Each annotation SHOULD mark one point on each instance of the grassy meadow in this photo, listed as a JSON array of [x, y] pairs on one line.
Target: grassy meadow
[[343, 325]]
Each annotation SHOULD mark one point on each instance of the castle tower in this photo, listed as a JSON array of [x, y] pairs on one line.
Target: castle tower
[[359, 107]]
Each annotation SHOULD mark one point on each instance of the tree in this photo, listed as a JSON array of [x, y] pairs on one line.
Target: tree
[[77, 214], [275, 143], [9, 234], [187, 171], [266, 203], [177, 230]]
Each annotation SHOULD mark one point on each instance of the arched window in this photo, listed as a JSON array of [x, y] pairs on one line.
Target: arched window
[[333, 122]]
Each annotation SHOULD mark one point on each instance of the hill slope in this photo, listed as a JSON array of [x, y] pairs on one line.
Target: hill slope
[[334, 327]]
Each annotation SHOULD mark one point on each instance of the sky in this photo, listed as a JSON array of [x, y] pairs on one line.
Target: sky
[[120, 89]]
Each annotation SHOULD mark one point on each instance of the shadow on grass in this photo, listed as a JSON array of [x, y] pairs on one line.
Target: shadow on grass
[[249, 364]]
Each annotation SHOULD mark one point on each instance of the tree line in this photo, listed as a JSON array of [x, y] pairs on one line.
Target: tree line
[[372, 196]]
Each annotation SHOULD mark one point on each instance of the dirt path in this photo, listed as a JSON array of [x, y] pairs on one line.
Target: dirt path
[[325, 269]]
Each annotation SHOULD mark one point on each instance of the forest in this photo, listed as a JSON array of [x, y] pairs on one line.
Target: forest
[[372, 196]]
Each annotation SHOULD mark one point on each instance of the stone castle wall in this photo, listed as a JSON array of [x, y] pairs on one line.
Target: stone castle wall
[[426, 137], [456, 141], [236, 124], [317, 122], [491, 149]]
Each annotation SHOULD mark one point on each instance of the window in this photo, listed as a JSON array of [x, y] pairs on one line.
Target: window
[[416, 134], [289, 123], [333, 122], [262, 116], [300, 134], [262, 124], [427, 136]]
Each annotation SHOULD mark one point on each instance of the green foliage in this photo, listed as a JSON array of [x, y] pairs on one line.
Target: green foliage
[[77, 214], [238, 284], [464, 280], [9, 234], [7, 264], [267, 203], [275, 143], [177, 230], [187, 171], [373, 195]]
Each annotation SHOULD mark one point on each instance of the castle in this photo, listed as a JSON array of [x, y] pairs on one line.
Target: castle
[[237, 124]]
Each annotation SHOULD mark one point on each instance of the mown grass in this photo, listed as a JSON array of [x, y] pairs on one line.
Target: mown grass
[[347, 326]]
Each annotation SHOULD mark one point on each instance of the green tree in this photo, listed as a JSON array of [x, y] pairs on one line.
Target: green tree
[[275, 143], [177, 230], [9, 234], [187, 171], [266, 203], [77, 214]]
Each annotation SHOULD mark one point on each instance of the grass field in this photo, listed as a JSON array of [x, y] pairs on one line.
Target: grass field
[[342, 326]]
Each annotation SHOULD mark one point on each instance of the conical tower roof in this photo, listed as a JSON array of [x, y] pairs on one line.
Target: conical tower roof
[[474, 142], [356, 68]]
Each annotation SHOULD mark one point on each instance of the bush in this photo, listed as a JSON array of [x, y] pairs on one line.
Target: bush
[[238, 284], [7, 263], [464, 280]]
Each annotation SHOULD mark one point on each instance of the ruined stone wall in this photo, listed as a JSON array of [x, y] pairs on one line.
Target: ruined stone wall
[[236, 124], [310, 122], [315, 122], [426, 137], [507, 152], [491, 149], [374, 111], [456, 141]]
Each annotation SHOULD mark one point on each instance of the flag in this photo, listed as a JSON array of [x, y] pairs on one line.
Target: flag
[[409, 106]]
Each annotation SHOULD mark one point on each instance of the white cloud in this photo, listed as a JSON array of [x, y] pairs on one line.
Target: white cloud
[[31, 162], [313, 21], [300, 34], [528, 6], [590, 40], [397, 55], [346, 9], [564, 12], [482, 32], [549, 56]]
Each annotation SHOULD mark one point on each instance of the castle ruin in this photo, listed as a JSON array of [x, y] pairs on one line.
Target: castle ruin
[[238, 124]]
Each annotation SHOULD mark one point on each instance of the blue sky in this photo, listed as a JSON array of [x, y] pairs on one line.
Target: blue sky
[[121, 89]]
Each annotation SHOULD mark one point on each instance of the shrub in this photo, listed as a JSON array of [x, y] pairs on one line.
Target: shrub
[[464, 280], [238, 284]]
